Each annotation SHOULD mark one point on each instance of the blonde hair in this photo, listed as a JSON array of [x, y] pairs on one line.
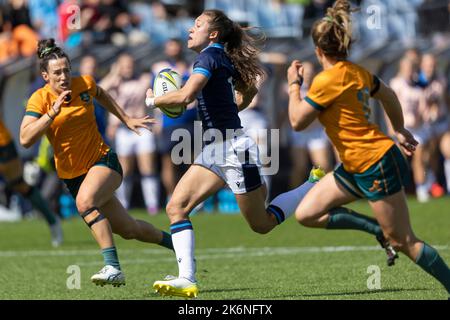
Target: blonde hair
[[333, 33]]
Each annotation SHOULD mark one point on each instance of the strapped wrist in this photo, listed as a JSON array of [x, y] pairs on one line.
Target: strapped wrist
[[298, 81], [150, 102]]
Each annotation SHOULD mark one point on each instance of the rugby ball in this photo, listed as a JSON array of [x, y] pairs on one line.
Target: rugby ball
[[166, 81]]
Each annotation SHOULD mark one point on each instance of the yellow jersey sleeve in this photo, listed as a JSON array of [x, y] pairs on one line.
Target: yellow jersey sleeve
[[323, 91], [35, 106], [91, 85]]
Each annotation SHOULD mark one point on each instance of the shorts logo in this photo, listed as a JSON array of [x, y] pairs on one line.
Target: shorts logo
[[238, 184], [85, 97], [376, 186]]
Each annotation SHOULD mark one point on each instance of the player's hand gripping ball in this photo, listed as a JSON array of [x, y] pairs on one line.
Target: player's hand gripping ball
[[166, 81]]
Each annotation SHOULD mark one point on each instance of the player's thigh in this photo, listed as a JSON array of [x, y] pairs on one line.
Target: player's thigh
[[197, 184], [392, 214], [97, 187], [325, 195], [127, 163]]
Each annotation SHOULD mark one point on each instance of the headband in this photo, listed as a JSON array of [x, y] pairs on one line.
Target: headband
[[46, 51]]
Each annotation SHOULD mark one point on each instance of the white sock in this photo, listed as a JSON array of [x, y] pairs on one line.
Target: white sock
[[124, 191], [150, 189], [447, 173], [183, 244], [290, 200]]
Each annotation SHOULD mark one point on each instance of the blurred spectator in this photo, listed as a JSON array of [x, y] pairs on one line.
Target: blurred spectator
[[161, 21], [17, 38], [117, 24], [310, 145], [175, 60], [412, 101], [44, 17], [434, 16], [19, 13], [279, 18], [436, 117], [129, 88], [315, 10]]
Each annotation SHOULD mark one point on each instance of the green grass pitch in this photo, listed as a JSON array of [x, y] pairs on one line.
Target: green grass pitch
[[292, 262]]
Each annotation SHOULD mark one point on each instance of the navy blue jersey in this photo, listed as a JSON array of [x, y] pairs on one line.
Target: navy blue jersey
[[216, 102]]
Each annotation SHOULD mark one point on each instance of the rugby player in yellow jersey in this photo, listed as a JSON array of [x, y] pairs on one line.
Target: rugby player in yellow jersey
[[373, 167], [12, 171], [63, 110]]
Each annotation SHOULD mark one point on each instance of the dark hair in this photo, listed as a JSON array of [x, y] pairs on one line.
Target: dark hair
[[47, 50], [240, 47], [333, 33]]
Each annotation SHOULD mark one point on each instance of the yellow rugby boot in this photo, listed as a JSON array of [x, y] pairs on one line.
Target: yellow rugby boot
[[179, 287]]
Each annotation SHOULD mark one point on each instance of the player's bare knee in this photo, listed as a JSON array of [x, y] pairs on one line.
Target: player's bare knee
[[304, 220], [84, 203], [261, 229], [176, 212]]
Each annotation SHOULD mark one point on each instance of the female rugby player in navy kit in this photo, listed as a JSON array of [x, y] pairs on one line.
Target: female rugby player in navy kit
[[224, 82]]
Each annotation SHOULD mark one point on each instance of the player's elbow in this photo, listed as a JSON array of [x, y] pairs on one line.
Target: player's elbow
[[297, 124], [25, 139], [25, 142]]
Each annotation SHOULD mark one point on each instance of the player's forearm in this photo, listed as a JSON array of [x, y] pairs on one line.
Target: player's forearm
[[295, 100], [174, 99], [31, 132], [393, 109]]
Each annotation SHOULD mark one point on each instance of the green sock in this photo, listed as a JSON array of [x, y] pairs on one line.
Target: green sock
[[35, 197], [110, 257], [343, 218], [166, 241], [430, 261]]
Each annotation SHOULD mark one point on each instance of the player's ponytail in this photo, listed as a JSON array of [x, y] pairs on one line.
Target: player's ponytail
[[333, 33], [47, 50], [241, 47]]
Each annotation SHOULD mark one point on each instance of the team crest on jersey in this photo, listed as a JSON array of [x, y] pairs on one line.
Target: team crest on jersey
[[85, 97]]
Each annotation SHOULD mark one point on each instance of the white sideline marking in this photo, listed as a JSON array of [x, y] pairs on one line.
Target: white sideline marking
[[202, 254], [230, 253]]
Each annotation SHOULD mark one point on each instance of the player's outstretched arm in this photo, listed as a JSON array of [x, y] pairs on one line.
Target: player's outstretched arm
[[109, 104], [393, 109], [182, 97]]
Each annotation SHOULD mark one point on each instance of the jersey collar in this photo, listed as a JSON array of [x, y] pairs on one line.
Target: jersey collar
[[215, 45]]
